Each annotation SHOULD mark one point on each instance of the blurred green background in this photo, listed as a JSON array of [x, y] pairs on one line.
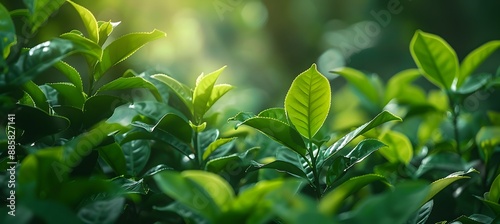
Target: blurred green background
[[266, 44]]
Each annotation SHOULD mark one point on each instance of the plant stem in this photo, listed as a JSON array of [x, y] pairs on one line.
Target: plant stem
[[455, 114], [313, 166], [197, 154]]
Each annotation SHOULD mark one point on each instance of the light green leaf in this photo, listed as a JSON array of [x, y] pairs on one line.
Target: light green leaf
[[282, 166], [381, 118], [70, 73], [399, 147], [36, 95], [130, 83], [85, 43], [202, 94], [88, 20], [307, 102], [361, 82], [331, 202], [217, 92], [487, 138], [436, 58], [494, 193], [218, 189], [276, 130], [7, 32], [275, 113], [122, 48], [187, 192], [182, 91], [215, 145], [440, 184], [105, 29], [476, 58], [399, 83]]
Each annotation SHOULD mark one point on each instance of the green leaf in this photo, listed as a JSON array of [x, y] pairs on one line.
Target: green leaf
[[86, 44], [39, 58], [390, 207], [102, 211], [381, 118], [307, 102], [474, 83], [440, 184], [88, 20], [122, 48], [202, 94], [399, 83], [99, 107], [40, 11], [476, 58], [331, 202], [361, 82], [436, 58], [136, 153], [130, 83], [7, 32], [218, 189], [494, 193], [445, 161], [70, 73], [399, 148], [68, 94], [187, 192], [176, 126], [276, 130], [182, 91], [342, 163], [282, 166], [423, 214], [275, 113], [215, 145], [231, 161], [486, 139], [112, 154], [495, 207], [28, 117], [37, 95], [105, 29]]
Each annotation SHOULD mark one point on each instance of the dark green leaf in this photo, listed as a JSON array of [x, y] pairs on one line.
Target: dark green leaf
[[68, 94], [474, 83], [282, 166], [381, 118], [136, 155], [176, 126], [391, 207], [423, 214], [28, 117], [70, 73], [440, 184], [276, 130], [37, 95], [98, 108], [113, 155], [86, 44], [104, 211], [40, 11], [341, 164]]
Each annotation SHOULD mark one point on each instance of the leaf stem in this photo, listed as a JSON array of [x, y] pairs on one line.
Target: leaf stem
[[313, 166]]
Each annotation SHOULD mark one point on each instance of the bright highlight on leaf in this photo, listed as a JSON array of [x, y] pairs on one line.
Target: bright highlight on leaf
[[307, 102]]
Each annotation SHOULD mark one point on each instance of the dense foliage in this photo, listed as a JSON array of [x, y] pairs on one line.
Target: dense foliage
[[146, 148]]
